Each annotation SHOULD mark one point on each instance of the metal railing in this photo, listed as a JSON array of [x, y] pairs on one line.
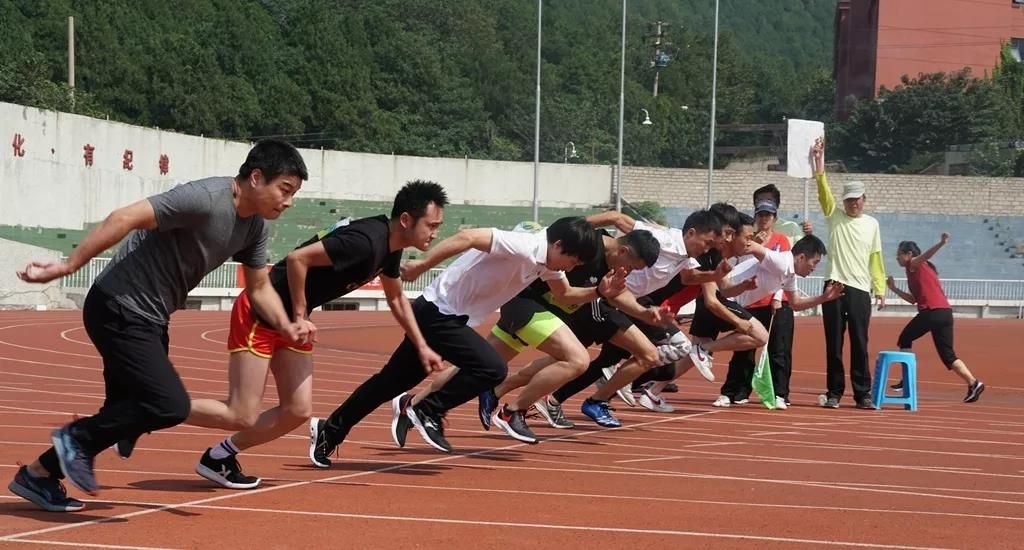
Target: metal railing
[[225, 276], [956, 289]]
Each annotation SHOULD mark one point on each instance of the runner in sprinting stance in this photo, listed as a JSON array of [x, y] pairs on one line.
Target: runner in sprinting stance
[[179, 236], [333, 263]]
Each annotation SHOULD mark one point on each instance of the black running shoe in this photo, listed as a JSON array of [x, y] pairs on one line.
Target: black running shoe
[[671, 387], [488, 403], [974, 391], [74, 462], [897, 385], [866, 403], [47, 493], [226, 472], [400, 423], [430, 428], [514, 425], [319, 447], [125, 447]]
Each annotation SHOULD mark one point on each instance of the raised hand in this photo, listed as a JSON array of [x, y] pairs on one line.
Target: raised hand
[[613, 283], [43, 272]]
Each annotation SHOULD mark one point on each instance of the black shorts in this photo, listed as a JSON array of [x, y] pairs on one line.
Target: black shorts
[[596, 322], [940, 323], [708, 325]]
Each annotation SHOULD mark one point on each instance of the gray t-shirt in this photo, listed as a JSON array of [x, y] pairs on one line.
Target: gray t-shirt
[[197, 230]]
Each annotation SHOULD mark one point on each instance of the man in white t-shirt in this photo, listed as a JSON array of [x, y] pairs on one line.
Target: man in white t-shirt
[[496, 266], [775, 274]]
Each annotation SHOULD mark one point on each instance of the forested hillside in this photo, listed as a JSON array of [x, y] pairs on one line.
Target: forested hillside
[[423, 77]]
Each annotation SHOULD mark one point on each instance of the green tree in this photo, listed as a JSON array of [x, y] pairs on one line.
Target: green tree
[[921, 115]]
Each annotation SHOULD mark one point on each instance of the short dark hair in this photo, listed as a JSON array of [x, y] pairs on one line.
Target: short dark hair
[[745, 219], [577, 236], [810, 246], [727, 213], [415, 196], [274, 157], [770, 188], [910, 247], [703, 221], [644, 245]]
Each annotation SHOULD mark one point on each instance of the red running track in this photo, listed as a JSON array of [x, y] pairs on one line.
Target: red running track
[[948, 476]]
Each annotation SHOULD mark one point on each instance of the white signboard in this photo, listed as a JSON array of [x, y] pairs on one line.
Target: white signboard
[[801, 136]]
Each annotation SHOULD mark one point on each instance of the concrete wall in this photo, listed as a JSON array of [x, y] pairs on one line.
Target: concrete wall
[[16, 294], [677, 187], [49, 184]]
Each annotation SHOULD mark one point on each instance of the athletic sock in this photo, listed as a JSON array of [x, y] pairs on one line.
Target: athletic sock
[[223, 450]]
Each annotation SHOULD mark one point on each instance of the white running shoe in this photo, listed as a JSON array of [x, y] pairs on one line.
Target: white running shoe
[[722, 401], [654, 402], [780, 403], [625, 392], [702, 360]]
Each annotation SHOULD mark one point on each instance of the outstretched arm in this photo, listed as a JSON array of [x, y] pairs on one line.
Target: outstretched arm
[[268, 304], [908, 297], [611, 285], [479, 239], [825, 198], [138, 215], [622, 222], [927, 254], [401, 309], [800, 303]]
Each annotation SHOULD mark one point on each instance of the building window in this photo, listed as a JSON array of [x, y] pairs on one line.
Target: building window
[[1017, 46]]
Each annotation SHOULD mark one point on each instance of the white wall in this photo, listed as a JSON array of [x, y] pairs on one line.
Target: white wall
[[50, 186], [16, 294]]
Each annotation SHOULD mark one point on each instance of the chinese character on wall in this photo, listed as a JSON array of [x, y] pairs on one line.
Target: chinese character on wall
[[165, 164], [19, 145], [126, 159], [88, 154]]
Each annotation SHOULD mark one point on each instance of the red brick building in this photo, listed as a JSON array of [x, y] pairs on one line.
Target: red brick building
[[879, 41]]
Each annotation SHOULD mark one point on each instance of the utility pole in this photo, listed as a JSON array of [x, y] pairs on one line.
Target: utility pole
[[661, 56], [71, 59]]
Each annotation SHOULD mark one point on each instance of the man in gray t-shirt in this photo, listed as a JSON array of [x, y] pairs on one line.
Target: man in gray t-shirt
[[179, 236]]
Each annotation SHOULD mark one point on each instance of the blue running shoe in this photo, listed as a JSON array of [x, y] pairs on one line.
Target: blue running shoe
[[600, 412], [488, 403], [74, 462], [47, 493]]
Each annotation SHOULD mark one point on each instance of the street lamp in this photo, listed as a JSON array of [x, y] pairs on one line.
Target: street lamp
[[714, 91], [569, 152], [647, 118], [622, 110], [536, 126]]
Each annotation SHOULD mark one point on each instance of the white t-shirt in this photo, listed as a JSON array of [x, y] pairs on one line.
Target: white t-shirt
[[775, 275], [478, 283], [671, 260]]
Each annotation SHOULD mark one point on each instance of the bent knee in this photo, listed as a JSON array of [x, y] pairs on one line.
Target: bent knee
[[578, 363], [298, 412], [649, 359], [171, 413]]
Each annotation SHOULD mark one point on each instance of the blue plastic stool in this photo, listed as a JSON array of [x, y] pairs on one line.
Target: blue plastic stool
[[909, 362]]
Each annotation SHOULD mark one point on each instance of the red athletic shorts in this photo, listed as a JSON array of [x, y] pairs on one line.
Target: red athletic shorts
[[249, 334]]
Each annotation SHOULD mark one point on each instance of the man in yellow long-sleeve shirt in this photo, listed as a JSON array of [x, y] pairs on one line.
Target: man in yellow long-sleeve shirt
[[855, 260]]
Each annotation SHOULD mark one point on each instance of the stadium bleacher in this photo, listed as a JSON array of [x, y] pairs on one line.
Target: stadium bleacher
[[309, 215], [974, 251]]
